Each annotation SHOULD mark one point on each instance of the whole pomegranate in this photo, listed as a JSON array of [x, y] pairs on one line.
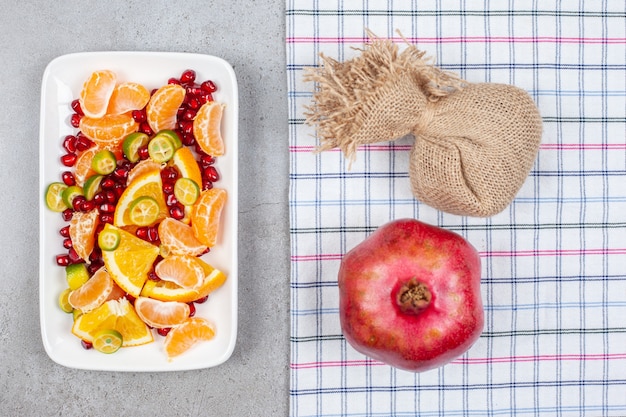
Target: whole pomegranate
[[410, 295]]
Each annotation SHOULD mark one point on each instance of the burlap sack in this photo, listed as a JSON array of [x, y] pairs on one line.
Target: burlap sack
[[474, 143]]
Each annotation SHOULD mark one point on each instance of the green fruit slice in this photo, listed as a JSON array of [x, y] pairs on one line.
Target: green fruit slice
[[186, 191], [173, 136], [132, 143], [107, 341], [104, 162], [109, 239], [70, 193], [64, 302], [76, 275], [161, 148], [144, 211], [54, 196], [92, 186]]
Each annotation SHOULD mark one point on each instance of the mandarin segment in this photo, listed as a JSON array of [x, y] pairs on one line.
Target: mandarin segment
[[163, 106], [92, 293], [183, 337], [177, 238], [82, 232], [182, 270], [96, 93], [161, 314], [108, 130], [128, 96], [207, 127], [206, 215]]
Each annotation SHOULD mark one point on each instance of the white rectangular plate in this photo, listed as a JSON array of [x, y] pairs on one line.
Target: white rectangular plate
[[62, 82]]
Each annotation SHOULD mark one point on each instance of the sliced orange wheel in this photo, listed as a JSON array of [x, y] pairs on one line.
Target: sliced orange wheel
[[92, 293], [168, 291], [117, 315], [161, 314], [207, 128], [183, 337], [130, 263], [128, 96], [177, 238], [163, 106], [146, 185], [206, 215], [82, 232], [96, 93]]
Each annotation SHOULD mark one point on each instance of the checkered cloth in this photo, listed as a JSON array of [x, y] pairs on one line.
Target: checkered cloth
[[554, 262]]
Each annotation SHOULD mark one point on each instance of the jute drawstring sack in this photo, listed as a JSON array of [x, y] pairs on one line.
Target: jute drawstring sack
[[474, 143]]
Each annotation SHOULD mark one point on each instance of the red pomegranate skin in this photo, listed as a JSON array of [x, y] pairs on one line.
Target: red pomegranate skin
[[373, 273]]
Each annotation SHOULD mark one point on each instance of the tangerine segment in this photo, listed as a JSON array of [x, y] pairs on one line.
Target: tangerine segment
[[161, 314], [207, 128], [108, 130], [143, 167], [168, 291], [118, 315], [82, 232], [163, 106], [131, 262], [92, 293], [183, 337], [177, 238], [206, 214], [145, 185], [96, 93], [187, 165], [127, 97], [182, 270]]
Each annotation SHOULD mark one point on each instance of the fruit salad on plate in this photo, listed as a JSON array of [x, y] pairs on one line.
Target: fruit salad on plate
[[141, 203]]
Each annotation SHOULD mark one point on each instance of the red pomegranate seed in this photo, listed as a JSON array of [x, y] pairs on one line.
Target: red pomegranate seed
[[177, 212], [68, 178], [86, 345], [189, 114], [194, 103], [173, 81], [208, 86], [142, 233], [77, 202], [163, 332], [63, 260], [206, 184], [75, 105], [169, 174], [193, 91], [69, 159], [107, 208], [153, 234], [75, 120], [121, 174], [99, 198], [168, 188], [143, 152], [87, 205], [111, 196], [189, 139], [144, 127], [65, 231], [192, 309], [67, 214], [93, 267], [205, 98], [139, 115], [188, 76], [211, 174], [153, 276], [69, 143], [107, 218], [202, 300], [74, 258], [67, 243], [206, 161], [186, 127], [108, 183], [83, 142], [171, 200]]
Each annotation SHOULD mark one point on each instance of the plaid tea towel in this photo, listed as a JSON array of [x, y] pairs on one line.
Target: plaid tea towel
[[553, 263]]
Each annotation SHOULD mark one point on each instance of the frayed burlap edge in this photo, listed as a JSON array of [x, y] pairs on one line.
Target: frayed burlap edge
[[345, 91]]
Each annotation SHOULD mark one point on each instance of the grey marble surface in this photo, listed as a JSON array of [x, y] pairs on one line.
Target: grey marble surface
[[250, 35]]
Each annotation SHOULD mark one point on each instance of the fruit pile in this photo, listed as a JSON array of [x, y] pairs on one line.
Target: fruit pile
[[141, 209]]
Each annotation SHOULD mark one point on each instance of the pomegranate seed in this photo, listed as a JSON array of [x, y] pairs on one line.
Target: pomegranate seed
[[205, 98], [169, 174], [168, 188], [153, 276], [211, 174], [206, 161], [111, 196], [153, 234], [143, 152], [171, 200], [193, 91], [189, 114], [206, 184], [99, 198], [108, 183], [77, 202], [142, 233], [65, 231], [69, 159], [67, 243], [192, 309], [186, 127], [106, 218], [144, 127], [86, 345], [88, 205], [194, 103], [139, 115], [107, 208], [75, 120], [93, 267], [163, 332], [173, 81], [188, 76], [75, 105], [202, 300], [188, 139], [121, 174], [63, 260], [208, 86], [177, 212], [119, 190], [83, 142], [73, 255], [69, 143], [68, 178], [67, 214]]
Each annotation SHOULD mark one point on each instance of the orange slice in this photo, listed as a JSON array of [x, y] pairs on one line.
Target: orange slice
[[206, 214], [130, 262], [187, 165], [207, 128], [118, 315], [108, 130], [92, 293], [146, 185], [168, 291], [128, 96], [96, 93], [143, 167], [183, 337], [184, 271], [163, 106], [177, 238], [161, 314], [82, 232]]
